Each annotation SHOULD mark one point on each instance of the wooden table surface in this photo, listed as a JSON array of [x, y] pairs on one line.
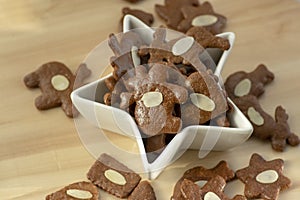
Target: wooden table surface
[[41, 152]]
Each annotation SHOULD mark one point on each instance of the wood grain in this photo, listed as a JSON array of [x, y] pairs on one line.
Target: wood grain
[[41, 152]]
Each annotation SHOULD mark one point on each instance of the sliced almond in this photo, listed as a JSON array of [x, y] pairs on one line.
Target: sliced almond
[[211, 196], [255, 117], [135, 57], [182, 46], [242, 88], [79, 194], [204, 20], [203, 102], [60, 82], [115, 177], [201, 183], [267, 177], [152, 99]]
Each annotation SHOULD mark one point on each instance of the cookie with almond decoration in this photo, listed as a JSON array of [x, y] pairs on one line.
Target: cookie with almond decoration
[[202, 15], [113, 176], [76, 191], [56, 82], [207, 99], [212, 190], [201, 174], [170, 11], [243, 83], [263, 179], [154, 100]]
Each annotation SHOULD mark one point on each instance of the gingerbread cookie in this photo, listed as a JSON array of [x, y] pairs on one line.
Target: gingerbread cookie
[[182, 50], [79, 190], [208, 40], [213, 189], [113, 177], [242, 83], [160, 50], [170, 12], [125, 52], [200, 173], [56, 82], [143, 191], [263, 179], [265, 127], [282, 134], [202, 15], [145, 17], [207, 99], [155, 100]]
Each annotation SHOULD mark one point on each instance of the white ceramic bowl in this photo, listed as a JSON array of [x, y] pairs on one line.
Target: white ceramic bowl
[[88, 100]]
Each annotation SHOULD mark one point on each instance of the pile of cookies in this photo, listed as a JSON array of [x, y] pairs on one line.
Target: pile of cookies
[[165, 85], [263, 179], [111, 176]]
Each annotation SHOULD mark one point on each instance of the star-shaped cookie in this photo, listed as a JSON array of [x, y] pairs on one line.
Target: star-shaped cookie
[[263, 179]]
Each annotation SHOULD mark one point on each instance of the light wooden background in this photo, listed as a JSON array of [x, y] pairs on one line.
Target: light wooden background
[[41, 152]]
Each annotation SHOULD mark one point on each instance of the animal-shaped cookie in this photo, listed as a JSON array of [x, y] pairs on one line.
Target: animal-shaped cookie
[[125, 51], [170, 11], [202, 15], [213, 189], [207, 99], [179, 50], [56, 82], [155, 100], [203, 174], [265, 127], [242, 83]]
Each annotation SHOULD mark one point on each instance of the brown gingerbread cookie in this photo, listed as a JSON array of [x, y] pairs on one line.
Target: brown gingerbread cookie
[[145, 17], [212, 190], [113, 177], [263, 179], [202, 15], [155, 100], [125, 52], [265, 127], [76, 191], [207, 39], [207, 99], [56, 82], [242, 83], [200, 173], [160, 50], [143, 191], [181, 50], [282, 134], [170, 11]]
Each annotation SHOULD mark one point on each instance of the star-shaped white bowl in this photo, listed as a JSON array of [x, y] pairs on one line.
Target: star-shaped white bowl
[[88, 100]]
